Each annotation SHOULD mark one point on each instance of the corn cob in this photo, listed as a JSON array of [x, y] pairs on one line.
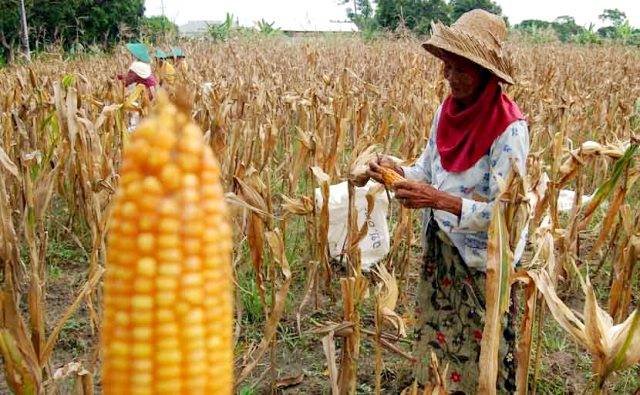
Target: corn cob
[[390, 176], [167, 294]]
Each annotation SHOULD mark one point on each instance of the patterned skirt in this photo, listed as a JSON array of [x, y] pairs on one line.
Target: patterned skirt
[[450, 310]]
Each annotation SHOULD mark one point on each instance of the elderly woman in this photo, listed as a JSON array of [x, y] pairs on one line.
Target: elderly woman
[[476, 135], [139, 73], [139, 82]]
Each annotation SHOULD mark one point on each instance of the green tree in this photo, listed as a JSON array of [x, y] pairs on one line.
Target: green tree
[[221, 31], [624, 32], [69, 21], [635, 40], [361, 13], [529, 24], [387, 14], [537, 31], [566, 27], [360, 8], [619, 28], [588, 36], [416, 15], [267, 28], [613, 16], [159, 27], [111, 20], [459, 7], [607, 32], [9, 23]]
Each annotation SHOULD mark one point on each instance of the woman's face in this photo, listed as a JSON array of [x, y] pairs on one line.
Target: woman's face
[[465, 78]]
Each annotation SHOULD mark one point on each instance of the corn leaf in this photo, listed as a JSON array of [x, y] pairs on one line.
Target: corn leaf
[[608, 186]]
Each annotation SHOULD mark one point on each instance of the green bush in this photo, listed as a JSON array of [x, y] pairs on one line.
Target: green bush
[[221, 31]]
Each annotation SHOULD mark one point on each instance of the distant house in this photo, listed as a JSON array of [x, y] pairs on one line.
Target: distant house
[[308, 27], [292, 28], [197, 28]]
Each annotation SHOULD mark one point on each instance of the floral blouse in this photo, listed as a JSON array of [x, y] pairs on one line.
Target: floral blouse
[[478, 188]]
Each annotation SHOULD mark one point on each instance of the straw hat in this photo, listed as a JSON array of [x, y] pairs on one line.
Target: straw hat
[[478, 36], [142, 70]]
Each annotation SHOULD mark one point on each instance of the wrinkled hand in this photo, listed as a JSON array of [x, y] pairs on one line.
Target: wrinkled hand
[[374, 168], [412, 194]]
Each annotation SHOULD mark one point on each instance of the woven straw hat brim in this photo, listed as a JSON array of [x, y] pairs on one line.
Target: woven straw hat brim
[[448, 39]]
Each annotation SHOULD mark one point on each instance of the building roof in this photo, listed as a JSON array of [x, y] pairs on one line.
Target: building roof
[[195, 28], [316, 26]]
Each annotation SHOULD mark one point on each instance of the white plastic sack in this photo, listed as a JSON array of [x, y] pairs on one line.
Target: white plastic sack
[[134, 120], [375, 245], [567, 197]]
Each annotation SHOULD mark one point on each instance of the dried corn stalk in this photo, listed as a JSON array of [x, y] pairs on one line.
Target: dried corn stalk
[[388, 297]]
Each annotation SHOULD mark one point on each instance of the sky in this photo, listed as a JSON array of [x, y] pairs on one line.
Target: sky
[[321, 11]]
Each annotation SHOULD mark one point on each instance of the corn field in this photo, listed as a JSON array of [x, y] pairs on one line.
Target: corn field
[[285, 117]]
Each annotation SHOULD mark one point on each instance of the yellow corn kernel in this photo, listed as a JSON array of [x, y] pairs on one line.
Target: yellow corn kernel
[[165, 315], [140, 351], [170, 176], [147, 265], [166, 283], [142, 285], [169, 241], [168, 386]]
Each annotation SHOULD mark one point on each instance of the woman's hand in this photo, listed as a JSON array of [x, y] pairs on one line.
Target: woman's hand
[[414, 195], [385, 161]]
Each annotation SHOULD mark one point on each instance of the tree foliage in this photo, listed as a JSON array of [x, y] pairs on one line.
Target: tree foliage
[[613, 16], [70, 21], [221, 31], [159, 27], [459, 7], [267, 28], [360, 12], [416, 15], [566, 29]]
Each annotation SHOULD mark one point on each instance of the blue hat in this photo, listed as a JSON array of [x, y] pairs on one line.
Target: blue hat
[[177, 52], [160, 54], [139, 51]]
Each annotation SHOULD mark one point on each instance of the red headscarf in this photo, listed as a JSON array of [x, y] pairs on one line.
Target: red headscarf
[[149, 82], [466, 135], [133, 78]]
